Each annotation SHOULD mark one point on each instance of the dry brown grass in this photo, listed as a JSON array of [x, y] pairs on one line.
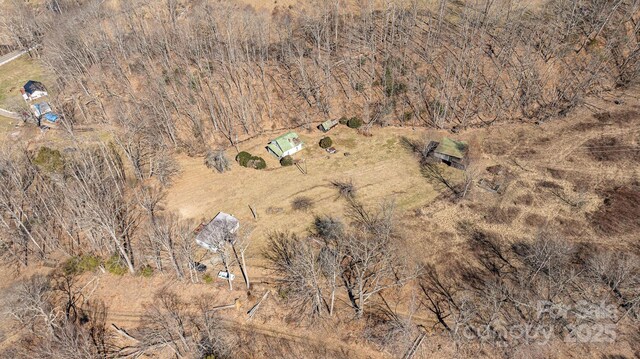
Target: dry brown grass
[[612, 149], [379, 165], [496, 169], [501, 215], [569, 227], [534, 220], [548, 185], [620, 210], [524, 200], [617, 117]]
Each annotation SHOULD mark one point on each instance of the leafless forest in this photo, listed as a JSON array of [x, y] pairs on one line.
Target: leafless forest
[[196, 77]]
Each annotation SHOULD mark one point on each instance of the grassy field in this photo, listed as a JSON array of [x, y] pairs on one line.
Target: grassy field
[[13, 76], [6, 124], [379, 166]]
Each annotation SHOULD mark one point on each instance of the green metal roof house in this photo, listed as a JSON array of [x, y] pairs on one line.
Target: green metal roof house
[[285, 145], [452, 152]]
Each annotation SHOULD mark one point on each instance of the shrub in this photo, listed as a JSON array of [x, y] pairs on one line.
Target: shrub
[[301, 203], [78, 265], [114, 265], [286, 161], [49, 159], [328, 227], [243, 158], [407, 116], [343, 120], [345, 189], [146, 271], [207, 278], [326, 142], [257, 163], [354, 122], [218, 160]]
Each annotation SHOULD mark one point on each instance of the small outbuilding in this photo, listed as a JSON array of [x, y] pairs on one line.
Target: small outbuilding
[[33, 90], [219, 230], [451, 152], [40, 109], [285, 145], [327, 125]]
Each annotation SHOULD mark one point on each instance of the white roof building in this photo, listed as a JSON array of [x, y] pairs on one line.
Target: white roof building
[[220, 229]]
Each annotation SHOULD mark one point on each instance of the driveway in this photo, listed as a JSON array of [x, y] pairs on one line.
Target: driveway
[[9, 114], [12, 56]]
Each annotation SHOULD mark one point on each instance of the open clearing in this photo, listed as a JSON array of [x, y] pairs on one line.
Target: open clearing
[[5, 125], [14, 74], [531, 157], [379, 166]]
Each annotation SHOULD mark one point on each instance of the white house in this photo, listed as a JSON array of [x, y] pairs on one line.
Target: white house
[[285, 145], [219, 230], [33, 90]]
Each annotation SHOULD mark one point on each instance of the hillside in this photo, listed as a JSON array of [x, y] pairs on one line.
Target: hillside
[[525, 246]]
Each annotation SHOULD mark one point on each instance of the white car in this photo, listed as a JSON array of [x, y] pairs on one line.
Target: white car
[[226, 275]]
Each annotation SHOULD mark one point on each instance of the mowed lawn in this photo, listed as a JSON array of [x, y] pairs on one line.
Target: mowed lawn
[[15, 74], [380, 167]]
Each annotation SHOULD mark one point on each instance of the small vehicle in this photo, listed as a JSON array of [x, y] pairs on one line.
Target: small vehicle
[[331, 150], [199, 267], [226, 275]]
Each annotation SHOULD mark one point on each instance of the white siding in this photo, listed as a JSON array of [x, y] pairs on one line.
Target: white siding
[[293, 150], [37, 94]]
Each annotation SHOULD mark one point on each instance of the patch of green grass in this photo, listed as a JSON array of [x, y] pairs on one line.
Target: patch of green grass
[[81, 264], [15, 74], [207, 278], [146, 271], [115, 266], [49, 159]]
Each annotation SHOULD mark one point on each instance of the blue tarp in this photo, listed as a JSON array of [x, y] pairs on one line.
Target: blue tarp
[[51, 117]]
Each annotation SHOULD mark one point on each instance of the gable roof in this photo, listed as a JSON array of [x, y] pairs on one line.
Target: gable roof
[[284, 143], [327, 125], [218, 230], [452, 148], [41, 108], [33, 86]]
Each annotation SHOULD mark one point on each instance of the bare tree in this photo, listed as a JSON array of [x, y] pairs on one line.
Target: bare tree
[[99, 197], [218, 160]]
